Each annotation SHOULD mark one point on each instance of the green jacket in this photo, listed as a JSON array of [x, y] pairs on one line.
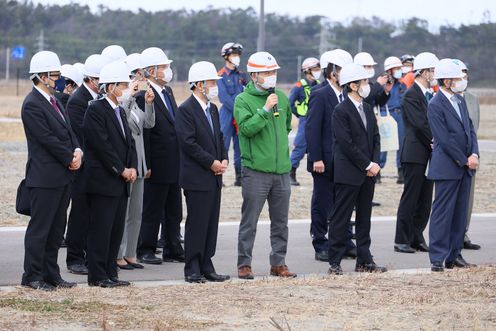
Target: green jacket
[[263, 138]]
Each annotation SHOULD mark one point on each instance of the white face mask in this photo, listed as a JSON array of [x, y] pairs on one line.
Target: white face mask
[[269, 82], [235, 60], [316, 74], [168, 75], [433, 82], [398, 73], [364, 91], [125, 96], [460, 86], [213, 92], [406, 69], [371, 72]]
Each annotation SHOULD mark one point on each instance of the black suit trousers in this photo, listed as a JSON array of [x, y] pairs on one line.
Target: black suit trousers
[[77, 228], [160, 201], [200, 238], [346, 198], [107, 219], [415, 205], [45, 233]]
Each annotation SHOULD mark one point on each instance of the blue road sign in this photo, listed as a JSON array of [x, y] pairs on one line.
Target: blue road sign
[[18, 52]]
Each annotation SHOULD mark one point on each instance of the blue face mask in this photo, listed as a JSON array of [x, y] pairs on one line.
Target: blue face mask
[[60, 84]]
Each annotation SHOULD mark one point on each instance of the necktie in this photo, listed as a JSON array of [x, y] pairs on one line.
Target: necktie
[[456, 105], [117, 111], [168, 104], [54, 105], [428, 96], [209, 118], [362, 115], [340, 97]]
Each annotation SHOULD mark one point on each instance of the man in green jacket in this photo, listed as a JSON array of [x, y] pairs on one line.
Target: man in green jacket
[[263, 116]]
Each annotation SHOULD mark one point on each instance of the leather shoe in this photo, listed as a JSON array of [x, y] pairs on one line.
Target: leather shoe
[[350, 254], [459, 262], [78, 269], [173, 257], [214, 277], [322, 256], [437, 267], [134, 265], [126, 266], [106, 283], [403, 248], [422, 247], [39, 285], [471, 245], [281, 271], [149, 258], [335, 269], [369, 267], [61, 283], [194, 278], [244, 272], [120, 282], [375, 204]]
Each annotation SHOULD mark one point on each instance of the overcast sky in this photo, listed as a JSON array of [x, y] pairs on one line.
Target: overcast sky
[[437, 12]]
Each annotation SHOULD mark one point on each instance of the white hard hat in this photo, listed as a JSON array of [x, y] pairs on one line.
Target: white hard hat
[[425, 60], [94, 64], [133, 61], [446, 68], [201, 71], [461, 64], [153, 56], [79, 66], [337, 56], [115, 72], [72, 73], [114, 52], [261, 62], [364, 59], [392, 62], [309, 63], [352, 72], [44, 61]]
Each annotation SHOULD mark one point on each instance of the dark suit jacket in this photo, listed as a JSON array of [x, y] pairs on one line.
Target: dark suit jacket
[[198, 146], [454, 139], [318, 129], [161, 147], [417, 142], [354, 146], [51, 142], [107, 151], [76, 108], [62, 97]]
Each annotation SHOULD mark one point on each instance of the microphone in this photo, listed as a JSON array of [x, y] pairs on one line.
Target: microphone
[[274, 109]]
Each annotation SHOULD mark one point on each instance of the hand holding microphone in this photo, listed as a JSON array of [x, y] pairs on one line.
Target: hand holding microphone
[[271, 102]]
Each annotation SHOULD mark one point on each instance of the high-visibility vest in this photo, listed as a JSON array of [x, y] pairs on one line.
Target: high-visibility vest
[[302, 107]]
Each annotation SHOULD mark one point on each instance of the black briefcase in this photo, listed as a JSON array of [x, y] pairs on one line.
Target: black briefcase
[[23, 201]]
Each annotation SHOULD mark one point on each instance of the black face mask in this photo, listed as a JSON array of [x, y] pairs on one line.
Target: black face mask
[[60, 84]]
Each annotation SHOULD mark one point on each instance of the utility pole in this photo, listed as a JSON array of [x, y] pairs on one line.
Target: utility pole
[[261, 28], [359, 48], [298, 66], [41, 41], [7, 64]]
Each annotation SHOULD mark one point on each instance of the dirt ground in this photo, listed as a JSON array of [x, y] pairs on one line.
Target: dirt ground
[[13, 154], [454, 300]]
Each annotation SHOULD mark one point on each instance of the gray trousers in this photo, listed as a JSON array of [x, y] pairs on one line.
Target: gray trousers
[[133, 220], [470, 207], [257, 188]]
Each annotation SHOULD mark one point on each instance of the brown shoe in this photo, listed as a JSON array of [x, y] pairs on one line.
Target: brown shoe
[[281, 271], [244, 272]]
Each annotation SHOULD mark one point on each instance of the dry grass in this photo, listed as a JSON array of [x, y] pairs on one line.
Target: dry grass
[[455, 300]]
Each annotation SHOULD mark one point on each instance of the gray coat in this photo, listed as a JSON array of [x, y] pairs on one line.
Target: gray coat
[[473, 109], [139, 120]]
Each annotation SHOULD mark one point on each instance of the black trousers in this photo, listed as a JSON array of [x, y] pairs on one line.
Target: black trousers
[[107, 219], [200, 237], [44, 233], [77, 229], [160, 201], [415, 205], [346, 198]]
